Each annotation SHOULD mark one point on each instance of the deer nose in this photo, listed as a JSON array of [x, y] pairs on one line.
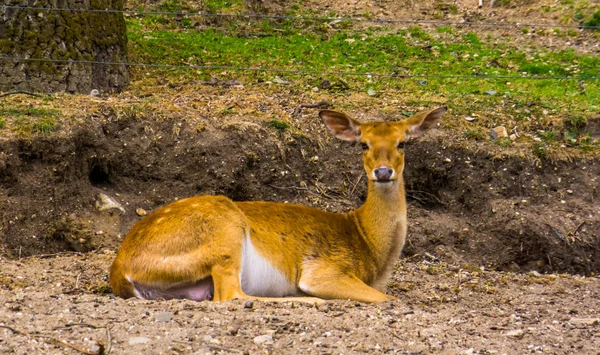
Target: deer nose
[[383, 173]]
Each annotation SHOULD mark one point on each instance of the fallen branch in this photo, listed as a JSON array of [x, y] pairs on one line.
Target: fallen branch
[[323, 103]]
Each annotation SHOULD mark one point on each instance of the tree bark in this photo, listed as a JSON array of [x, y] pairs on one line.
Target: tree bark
[[55, 43]]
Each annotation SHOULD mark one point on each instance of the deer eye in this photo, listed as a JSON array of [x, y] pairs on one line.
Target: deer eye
[[401, 145], [364, 146]]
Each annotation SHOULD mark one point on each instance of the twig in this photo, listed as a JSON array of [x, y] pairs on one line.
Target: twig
[[56, 340], [432, 196], [355, 185], [108, 340], [557, 232], [433, 258], [323, 103], [45, 256], [16, 331], [20, 92], [81, 350], [578, 227], [299, 189], [218, 347]]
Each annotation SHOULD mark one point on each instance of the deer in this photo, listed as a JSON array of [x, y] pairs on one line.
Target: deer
[[212, 248]]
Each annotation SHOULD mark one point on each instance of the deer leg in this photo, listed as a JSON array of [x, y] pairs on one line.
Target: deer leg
[[329, 283]]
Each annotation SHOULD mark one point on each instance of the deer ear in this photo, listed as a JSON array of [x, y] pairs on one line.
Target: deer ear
[[341, 125], [420, 123]]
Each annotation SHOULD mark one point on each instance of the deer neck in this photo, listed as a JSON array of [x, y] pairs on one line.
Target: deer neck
[[381, 221]]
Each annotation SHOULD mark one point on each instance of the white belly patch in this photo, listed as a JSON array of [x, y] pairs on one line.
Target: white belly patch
[[260, 278]]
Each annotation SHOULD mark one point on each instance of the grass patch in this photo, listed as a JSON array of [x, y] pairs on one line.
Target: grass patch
[[594, 21], [303, 54], [475, 134], [2, 123], [278, 125], [30, 120]]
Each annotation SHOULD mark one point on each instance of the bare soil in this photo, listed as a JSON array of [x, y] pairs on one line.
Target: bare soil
[[46, 302], [502, 254]]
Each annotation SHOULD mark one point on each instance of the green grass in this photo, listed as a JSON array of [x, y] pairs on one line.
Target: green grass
[[594, 20], [306, 52], [29, 120], [278, 125]]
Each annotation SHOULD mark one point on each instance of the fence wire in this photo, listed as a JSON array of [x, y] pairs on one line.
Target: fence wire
[[301, 18], [297, 71], [303, 72]]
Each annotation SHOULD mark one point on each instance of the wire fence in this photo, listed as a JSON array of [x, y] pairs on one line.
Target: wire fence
[[304, 18], [304, 72], [299, 71]]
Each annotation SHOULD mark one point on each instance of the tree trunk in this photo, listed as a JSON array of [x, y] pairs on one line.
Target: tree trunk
[[65, 37]]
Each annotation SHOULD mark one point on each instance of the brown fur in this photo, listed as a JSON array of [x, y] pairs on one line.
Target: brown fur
[[326, 255]]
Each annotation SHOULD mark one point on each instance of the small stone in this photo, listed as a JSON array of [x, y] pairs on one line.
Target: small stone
[[141, 212], [266, 339], [139, 340], [207, 338], [95, 348], [249, 304], [513, 137], [537, 139], [569, 191], [95, 93], [584, 321], [499, 132], [490, 92], [107, 203], [470, 118], [164, 316], [517, 333]]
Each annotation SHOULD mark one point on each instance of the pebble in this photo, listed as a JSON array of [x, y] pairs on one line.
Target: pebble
[[249, 304], [164, 316], [515, 333], [139, 340], [266, 339], [141, 212], [584, 321], [499, 132], [107, 203]]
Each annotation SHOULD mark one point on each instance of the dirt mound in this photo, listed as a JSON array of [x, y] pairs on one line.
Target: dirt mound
[[467, 206]]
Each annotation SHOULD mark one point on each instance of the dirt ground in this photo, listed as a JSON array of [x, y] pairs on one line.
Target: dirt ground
[[57, 304], [502, 256]]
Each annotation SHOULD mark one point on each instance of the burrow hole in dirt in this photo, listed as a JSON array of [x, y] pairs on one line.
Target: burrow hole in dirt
[[99, 173]]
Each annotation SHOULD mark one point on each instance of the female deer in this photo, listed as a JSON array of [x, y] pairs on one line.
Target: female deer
[[211, 248]]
